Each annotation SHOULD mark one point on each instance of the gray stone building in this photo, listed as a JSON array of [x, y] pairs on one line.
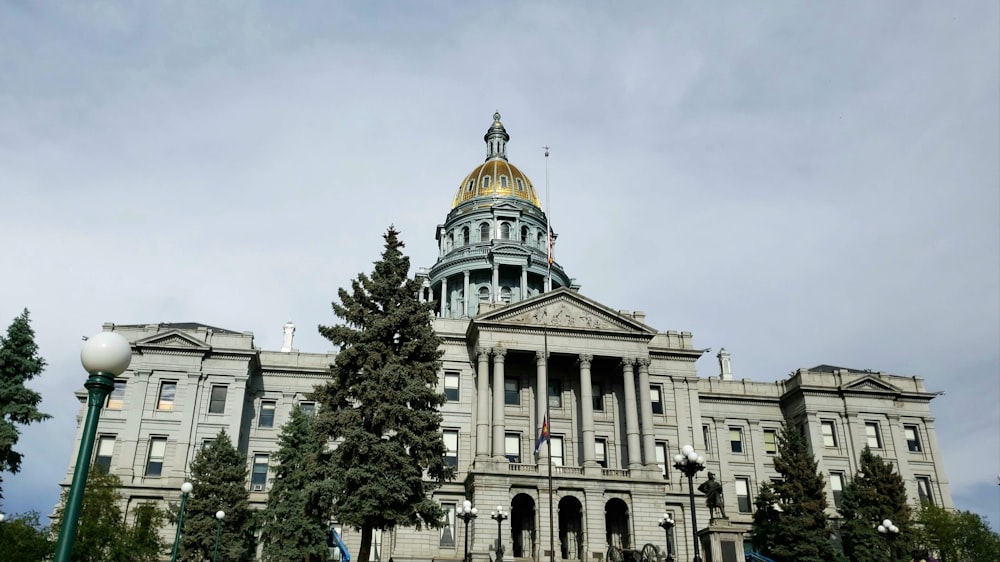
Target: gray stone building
[[620, 396]]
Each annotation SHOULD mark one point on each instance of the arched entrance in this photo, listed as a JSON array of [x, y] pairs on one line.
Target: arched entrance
[[616, 523], [522, 526], [571, 528]]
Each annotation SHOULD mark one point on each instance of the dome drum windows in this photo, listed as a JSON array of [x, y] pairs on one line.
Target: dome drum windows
[[484, 232], [524, 235], [503, 182], [465, 236], [520, 184], [505, 230], [484, 294], [486, 182]]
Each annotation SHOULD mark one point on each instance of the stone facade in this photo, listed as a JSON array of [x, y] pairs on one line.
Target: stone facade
[[620, 398]]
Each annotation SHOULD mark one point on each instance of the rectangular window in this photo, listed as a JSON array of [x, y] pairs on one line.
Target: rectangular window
[[743, 494], [258, 474], [308, 408], [266, 418], [597, 394], [168, 390], [912, 439], [217, 403], [873, 435], [770, 441], [511, 391], [601, 450], [837, 487], [924, 490], [829, 434], [556, 450], [656, 397], [451, 386], [448, 529], [661, 459], [451, 447], [706, 435], [736, 440], [116, 400], [105, 448], [512, 447], [154, 460], [555, 393]]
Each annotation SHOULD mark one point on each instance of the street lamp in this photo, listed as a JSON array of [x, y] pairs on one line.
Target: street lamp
[[499, 516], [889, 531], [185, 490], [104, 356], [689, 462], [667, 523], [467, 513], [219, 515]]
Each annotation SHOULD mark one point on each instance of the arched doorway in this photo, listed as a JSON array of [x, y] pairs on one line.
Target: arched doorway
[[522, 526], [616, 523], [571, 528]]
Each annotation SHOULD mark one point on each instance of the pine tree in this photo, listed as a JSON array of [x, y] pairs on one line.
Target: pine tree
[[876, 493], [219, 477], [382, 403], [793, 526], [298, 505], [19, 363]]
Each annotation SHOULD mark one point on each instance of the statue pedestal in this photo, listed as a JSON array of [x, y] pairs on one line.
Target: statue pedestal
[[721, 542]]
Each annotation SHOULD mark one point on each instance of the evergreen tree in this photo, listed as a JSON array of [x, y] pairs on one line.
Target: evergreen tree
[[876, 493], [19, 363], [219, 477], [298, 505], [957, 536], [793, 526], [382, 403], [23, 537]]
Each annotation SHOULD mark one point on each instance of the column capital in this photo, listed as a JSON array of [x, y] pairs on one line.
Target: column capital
[[539, 357], [499, 353], [480, 351], [628, 361], [643, 362], [584, 359]]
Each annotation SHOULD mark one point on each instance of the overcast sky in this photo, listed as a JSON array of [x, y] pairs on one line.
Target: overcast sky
[[799, 182]]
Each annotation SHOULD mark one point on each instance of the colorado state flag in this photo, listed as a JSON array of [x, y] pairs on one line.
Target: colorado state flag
[[544, 435]]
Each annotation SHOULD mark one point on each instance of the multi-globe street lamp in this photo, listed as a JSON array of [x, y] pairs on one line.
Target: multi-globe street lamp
[[499, 516], [689, 462], [104, 356], [890, 532], [467, 513], [185, 490], [219, 516], [667, 523]]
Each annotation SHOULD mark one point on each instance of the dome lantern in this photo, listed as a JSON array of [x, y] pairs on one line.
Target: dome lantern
[[496, 140]]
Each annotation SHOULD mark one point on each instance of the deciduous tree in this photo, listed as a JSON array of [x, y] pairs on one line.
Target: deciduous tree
[[957, 536], [22, 537]]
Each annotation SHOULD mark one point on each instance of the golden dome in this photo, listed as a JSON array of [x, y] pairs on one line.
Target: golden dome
[[496, 178]]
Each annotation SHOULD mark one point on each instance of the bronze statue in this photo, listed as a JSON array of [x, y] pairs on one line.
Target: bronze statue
[[712, 489]]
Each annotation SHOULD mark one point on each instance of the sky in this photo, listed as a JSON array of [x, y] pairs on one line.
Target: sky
[[798, 182]]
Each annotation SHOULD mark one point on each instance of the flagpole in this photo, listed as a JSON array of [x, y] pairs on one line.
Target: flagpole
[[545, 343]]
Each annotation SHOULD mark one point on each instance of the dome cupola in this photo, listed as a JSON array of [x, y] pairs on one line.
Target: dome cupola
[[496, 177]]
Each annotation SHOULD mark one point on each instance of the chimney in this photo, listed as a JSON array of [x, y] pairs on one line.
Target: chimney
[[286, 343], [725, 367]]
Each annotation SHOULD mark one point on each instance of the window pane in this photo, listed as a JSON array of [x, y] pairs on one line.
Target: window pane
[[105, 449], [661, 459], [117, 398], [872, 433], [743, 494], [451, 447], [657, 400], [736, 440], [157, 448], [511, 392], [266, 414], [770, 442], [912, 439], [601, 450], [556, 450], [309, 408], [167, 392], [837, 486], [924, 490], [451, 387], [512, 447], [555, 394], [217, 403], [258, 475], [706, 435], [598, 396], [829, 436], [447, 531]]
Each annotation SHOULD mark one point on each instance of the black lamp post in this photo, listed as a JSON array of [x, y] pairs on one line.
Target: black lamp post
[[219, 516], [467, 513], [689, 462], [667, 523], [104, 356], [890, 532], [185, 490], [499, 516]]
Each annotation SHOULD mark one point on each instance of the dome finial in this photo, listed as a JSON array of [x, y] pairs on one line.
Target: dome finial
[[496, 116], [496, 139]]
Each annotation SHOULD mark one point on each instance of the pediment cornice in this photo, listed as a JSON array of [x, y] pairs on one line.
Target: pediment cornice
[[566, 310]]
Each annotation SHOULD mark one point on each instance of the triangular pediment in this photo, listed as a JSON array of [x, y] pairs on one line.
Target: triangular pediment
[[869, 383], [567, 310], [174, 339]]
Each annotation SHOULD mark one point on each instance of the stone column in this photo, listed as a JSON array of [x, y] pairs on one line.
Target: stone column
[[631, 415], [498, 422], [467, 297], [444, 296], [495, 292], [587, 411], [483, 405], [542, 396], [646, 413], [524, 282]]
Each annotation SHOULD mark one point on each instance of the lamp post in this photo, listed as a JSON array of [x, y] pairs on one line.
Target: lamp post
[[689, 462], [667, 523], [889, 531], [219, 516], [467, 513], [104, 356], [499, 516], [185, 490]]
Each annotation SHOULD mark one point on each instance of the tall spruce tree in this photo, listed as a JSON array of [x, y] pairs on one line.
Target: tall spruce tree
[[876, 493], [298, 505], [382, 403], [19, 363], [793, 525], [219, 476]]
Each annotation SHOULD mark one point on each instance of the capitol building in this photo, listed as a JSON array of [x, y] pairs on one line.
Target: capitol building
[[621, 398]]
